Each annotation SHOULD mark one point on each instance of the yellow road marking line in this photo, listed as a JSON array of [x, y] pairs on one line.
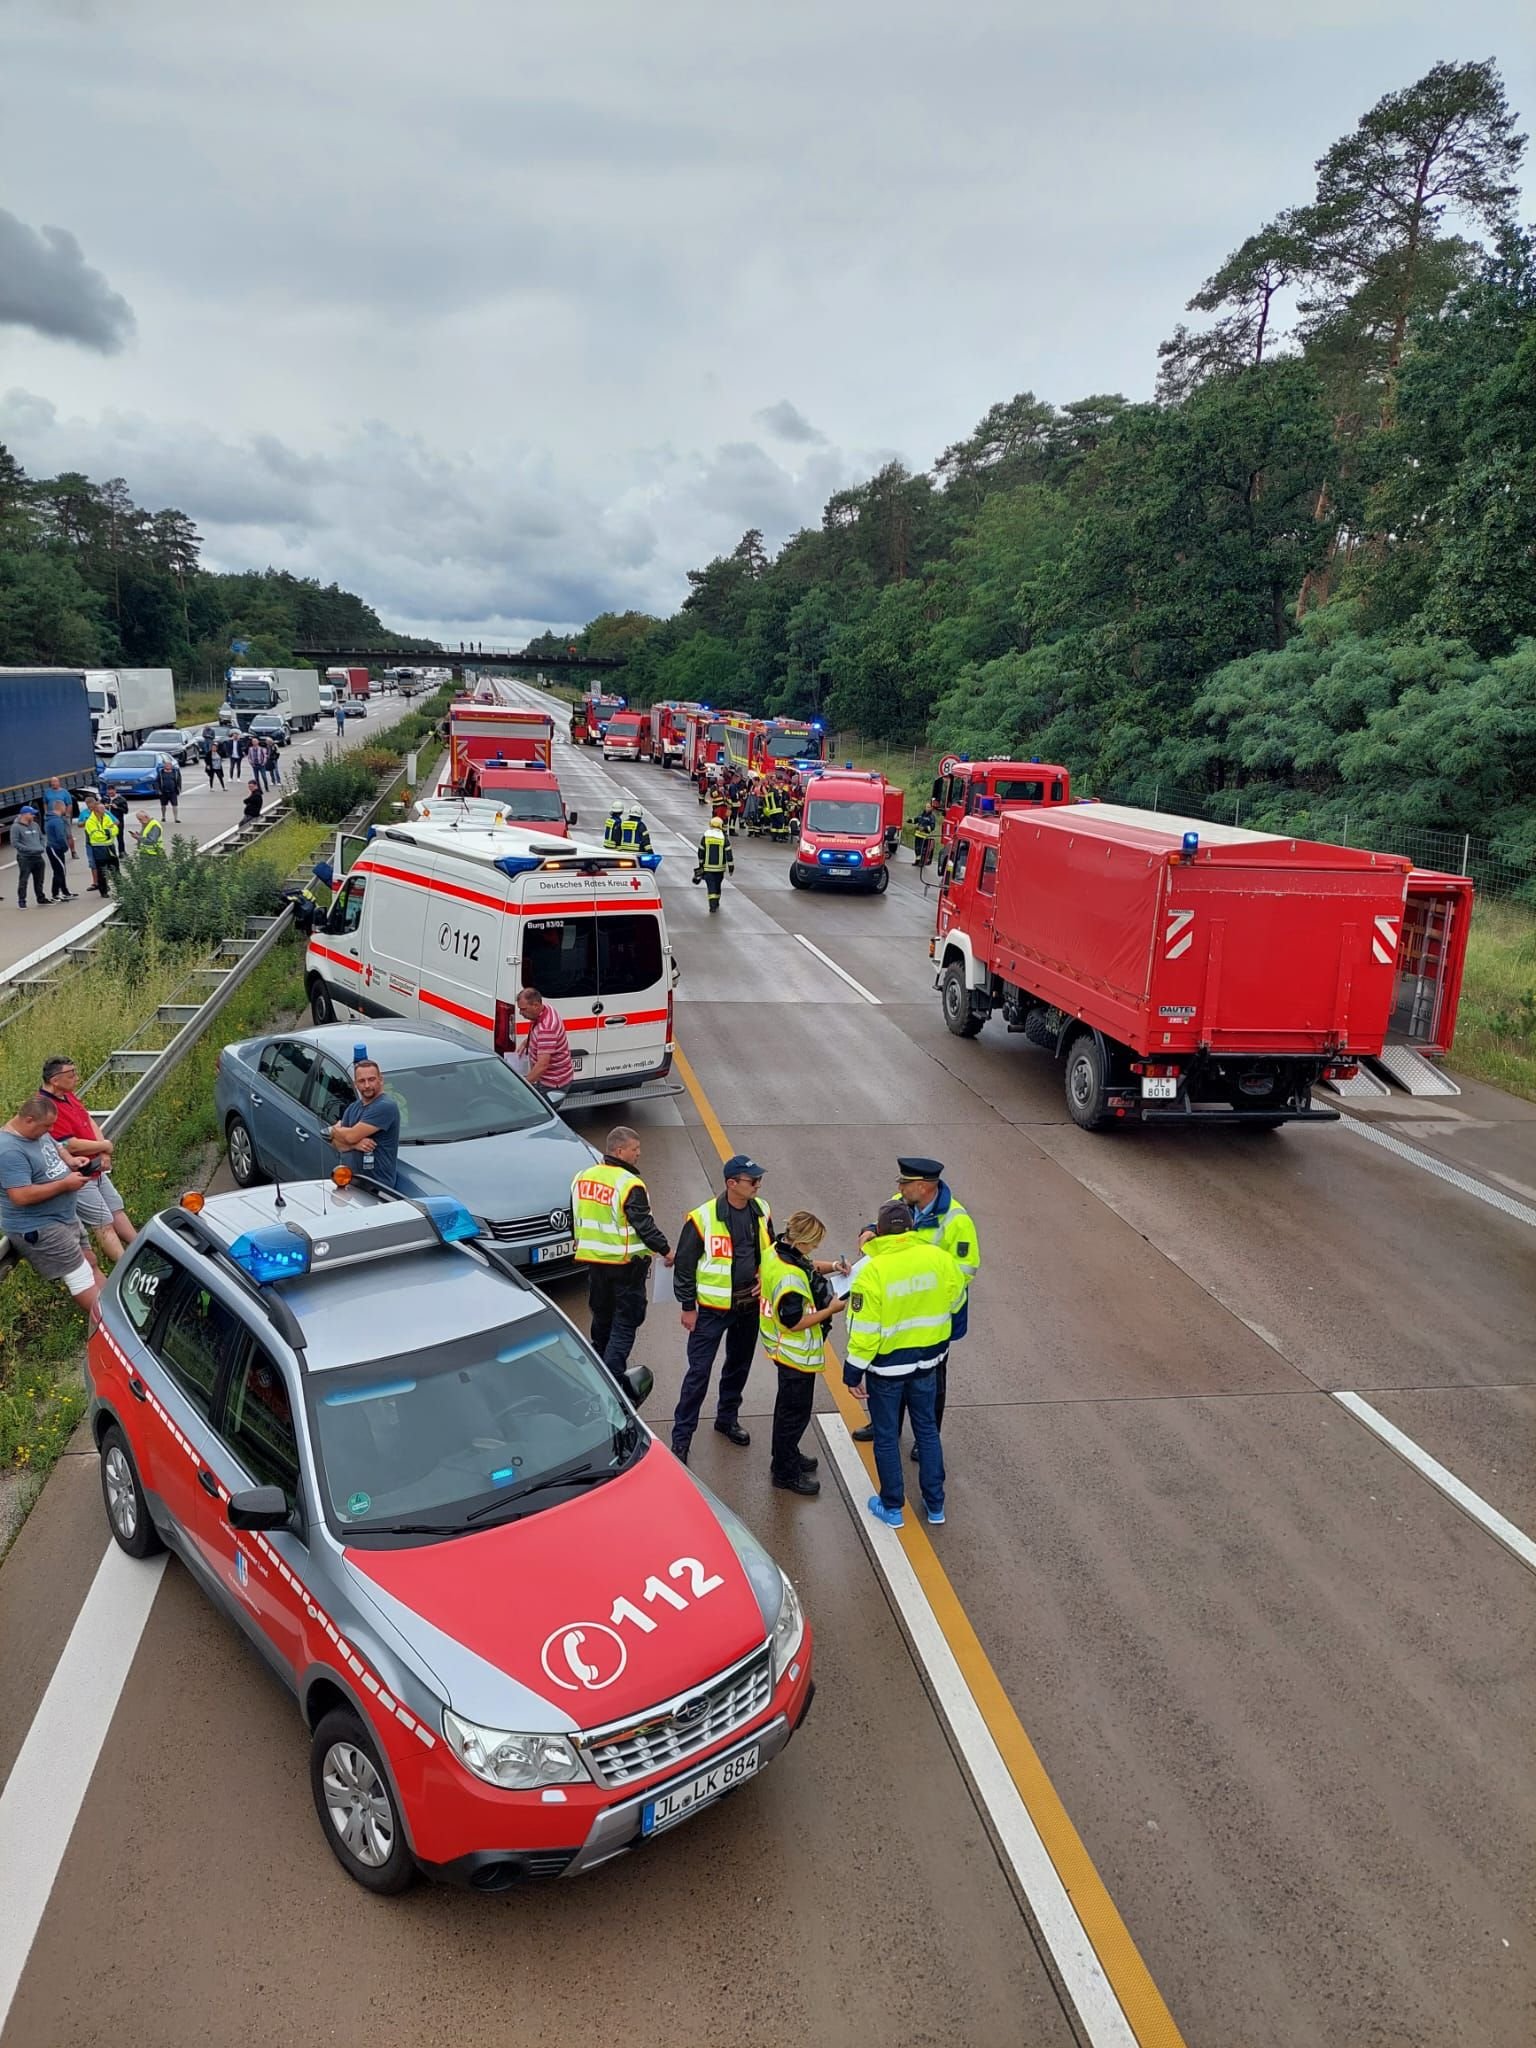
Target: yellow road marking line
[[1142, 2003]]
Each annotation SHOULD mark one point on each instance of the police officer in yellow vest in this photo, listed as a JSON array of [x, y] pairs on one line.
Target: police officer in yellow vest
[[717, 1281], [937, 1216], [615, 1237], [150, 837], [797, 1304], [905, 1294], [715, 860]]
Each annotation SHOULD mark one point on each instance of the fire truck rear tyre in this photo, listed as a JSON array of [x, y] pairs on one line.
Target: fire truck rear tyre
[[955, 998], [881, 883], [1086, 1082], [799, 877], [355, 1800]]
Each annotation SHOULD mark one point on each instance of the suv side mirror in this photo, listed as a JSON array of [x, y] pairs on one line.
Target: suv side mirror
[[259, 1507], [638, 1382]]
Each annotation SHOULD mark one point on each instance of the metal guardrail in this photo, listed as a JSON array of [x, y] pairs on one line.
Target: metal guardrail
[[116, 1120], [113, 1122]]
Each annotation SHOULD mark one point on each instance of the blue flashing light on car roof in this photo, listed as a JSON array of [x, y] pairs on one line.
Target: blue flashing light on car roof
[[268, 1255], [520, 863], [650, 861], [450, 1219]]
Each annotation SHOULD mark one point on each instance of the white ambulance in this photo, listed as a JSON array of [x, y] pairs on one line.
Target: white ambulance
[[444, 923]]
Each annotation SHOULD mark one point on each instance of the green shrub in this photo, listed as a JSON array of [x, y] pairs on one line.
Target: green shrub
[[330, 787], [379, 761], [184, 897]]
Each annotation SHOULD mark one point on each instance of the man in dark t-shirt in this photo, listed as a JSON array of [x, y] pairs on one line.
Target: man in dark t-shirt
[[370, 1126]]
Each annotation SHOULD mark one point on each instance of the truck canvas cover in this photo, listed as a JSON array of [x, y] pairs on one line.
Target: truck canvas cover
[[1254, 943]]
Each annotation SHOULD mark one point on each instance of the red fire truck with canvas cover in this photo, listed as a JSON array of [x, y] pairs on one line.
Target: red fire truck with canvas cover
[[1191, 972]]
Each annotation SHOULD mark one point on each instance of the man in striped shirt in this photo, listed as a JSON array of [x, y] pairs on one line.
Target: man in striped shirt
[[545, 1058]]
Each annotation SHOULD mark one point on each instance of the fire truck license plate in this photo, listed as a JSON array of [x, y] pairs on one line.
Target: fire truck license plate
[[679, 1803], [1159, 1087]]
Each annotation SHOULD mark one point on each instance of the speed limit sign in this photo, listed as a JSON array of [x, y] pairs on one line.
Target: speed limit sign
[[949, 764]]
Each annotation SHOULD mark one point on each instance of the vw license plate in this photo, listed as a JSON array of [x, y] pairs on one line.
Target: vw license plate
[[562, 1248], [1159, 1088], [682, 1799]]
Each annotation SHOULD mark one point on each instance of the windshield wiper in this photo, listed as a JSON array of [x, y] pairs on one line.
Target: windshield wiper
[[410, 1528], [576, 1475]]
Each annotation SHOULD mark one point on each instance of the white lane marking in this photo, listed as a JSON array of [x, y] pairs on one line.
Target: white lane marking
[[1521, 1211], [841, 972], [1099, 2012], [1514, 1540], [50, 1778]]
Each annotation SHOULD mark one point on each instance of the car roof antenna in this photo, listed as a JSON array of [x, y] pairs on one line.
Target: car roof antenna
[[277, 1194]]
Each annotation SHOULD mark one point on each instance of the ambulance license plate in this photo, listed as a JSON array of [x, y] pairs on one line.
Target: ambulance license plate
[[544, 1254], [1159, 1087], [677, 1804]]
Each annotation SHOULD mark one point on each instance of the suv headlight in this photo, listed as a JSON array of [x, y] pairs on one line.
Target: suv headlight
[[788, 1630], [515, 1763]]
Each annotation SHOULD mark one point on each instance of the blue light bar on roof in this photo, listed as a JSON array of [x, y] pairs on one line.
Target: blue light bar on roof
[[519, 863], [451, 1220], [282, 1253], [651, 861]]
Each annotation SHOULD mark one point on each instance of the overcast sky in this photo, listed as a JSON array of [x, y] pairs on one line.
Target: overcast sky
[[504, 314]]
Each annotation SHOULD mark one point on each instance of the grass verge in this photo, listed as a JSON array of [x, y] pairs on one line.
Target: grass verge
[[1496, 1024], [172, 1145]]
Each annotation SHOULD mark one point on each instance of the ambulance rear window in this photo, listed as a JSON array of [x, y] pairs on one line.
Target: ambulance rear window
[[566, 958]]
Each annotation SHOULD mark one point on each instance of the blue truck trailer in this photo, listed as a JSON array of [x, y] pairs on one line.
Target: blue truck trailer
[[45, 730]]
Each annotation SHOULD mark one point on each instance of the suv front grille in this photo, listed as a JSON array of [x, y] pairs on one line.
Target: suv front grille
[[528, 1229], [659, 1740]]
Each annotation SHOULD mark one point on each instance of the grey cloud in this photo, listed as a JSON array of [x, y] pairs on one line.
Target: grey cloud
[[47, 285], [465, 540], [787, 422]]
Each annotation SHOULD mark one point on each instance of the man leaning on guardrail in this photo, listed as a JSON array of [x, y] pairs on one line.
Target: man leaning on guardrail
[[39, 1193]]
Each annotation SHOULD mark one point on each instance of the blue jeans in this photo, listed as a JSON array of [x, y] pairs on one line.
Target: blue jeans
[[887, 1397]]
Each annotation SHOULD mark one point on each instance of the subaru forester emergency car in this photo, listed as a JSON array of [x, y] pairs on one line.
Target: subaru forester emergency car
[[524, 1638]]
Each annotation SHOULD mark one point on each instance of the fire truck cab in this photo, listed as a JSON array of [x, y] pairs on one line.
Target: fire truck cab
[[960, 786]]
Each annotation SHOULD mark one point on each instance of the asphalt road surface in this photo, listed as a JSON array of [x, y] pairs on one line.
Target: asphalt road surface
[[1260, 1685], [205, 813]]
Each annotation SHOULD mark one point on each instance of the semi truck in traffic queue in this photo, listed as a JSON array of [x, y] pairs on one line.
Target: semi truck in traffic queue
[[850, 827], [1184, 971], [293, 693], [351, 682], [127, 703], [45, 730]]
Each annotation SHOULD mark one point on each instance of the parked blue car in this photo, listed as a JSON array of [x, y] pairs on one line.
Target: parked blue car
[[469, 1127], [134, 774]]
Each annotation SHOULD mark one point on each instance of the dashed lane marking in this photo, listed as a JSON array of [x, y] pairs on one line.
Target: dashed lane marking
[[1514, 1540], [1427, 1163], [1106, 1983], [841, 972]]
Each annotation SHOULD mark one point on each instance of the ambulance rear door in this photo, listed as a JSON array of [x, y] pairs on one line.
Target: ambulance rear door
[[559, 958], [633, 977]]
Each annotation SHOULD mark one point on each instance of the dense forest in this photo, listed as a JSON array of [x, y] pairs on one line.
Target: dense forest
[[1299, 582], [90, 579]]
